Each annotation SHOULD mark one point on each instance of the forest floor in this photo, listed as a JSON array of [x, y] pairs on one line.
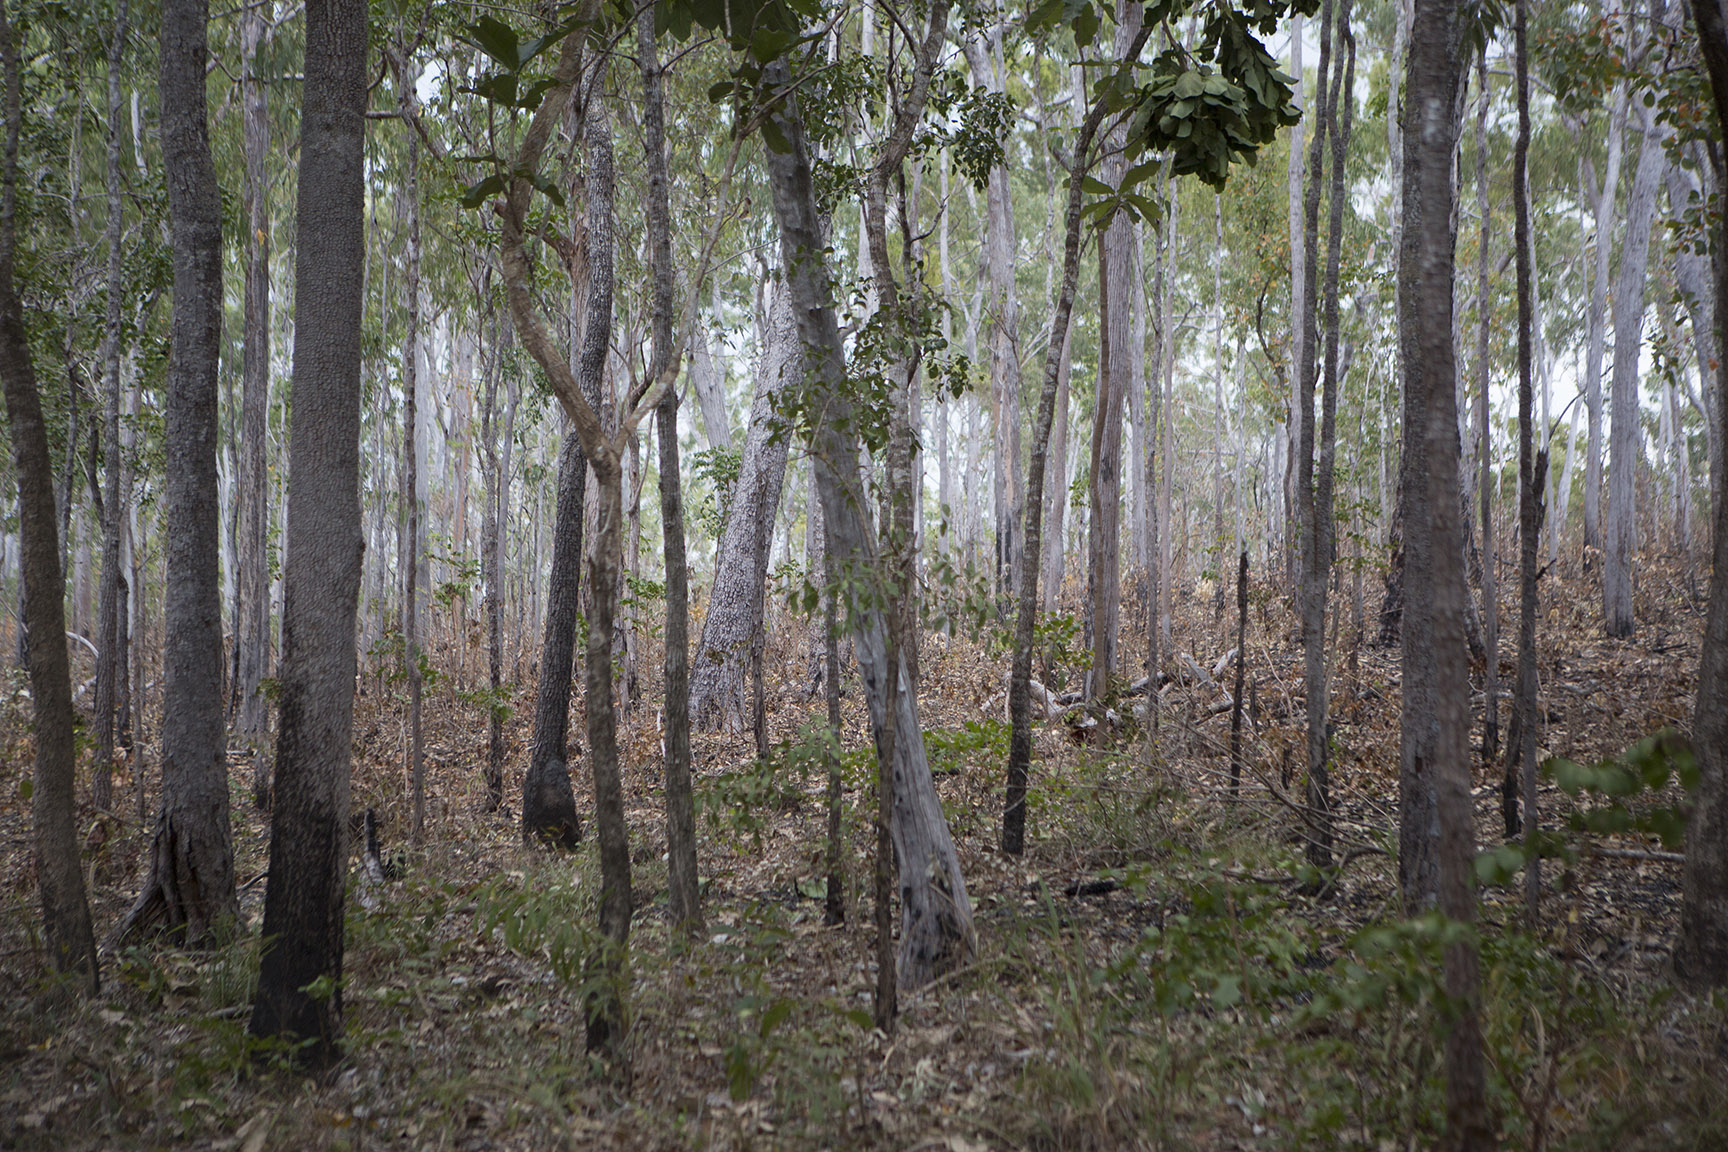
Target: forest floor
[[1150, 973]]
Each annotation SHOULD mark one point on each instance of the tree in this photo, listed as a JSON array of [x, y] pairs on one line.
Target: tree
[[299, 978], [191, 880], [1701, 955], [251, 584], [1436, 847], [682, 883], [65, 914], [735, 604]]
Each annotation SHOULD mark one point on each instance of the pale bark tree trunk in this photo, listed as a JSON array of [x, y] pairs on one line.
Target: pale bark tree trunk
[[1437, 844], [1701, 954], [1604, 237], [682, 884], [65, 913], [936, 921], [709, 385], [1056, 483], [252, 607], [191, 879], [1692, 277], [1485, 461], [109, 666], [1300, 306], [735, 605], [1116, 374], [299, 980], [1626, 437]]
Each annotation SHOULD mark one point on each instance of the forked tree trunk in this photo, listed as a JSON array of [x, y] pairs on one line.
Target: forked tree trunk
[[299, 980], [735, 605], [65, 914], [1437, 844], [1701, 954], [191, 879], [1626, 436], [936, 917]]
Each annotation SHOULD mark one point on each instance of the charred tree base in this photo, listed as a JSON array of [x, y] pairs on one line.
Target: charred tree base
[[549, 808]]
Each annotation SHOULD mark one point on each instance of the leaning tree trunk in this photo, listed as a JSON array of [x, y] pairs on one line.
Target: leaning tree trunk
[[252, 583], [735, 606], [109, 664], [1625, 436], [300, 977], [1437, 842], [191, 880], [936, 917], [1701, 955], [65, 913]]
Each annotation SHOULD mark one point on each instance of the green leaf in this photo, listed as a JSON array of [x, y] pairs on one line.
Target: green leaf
[[26, 787], [1096, 186], [721, 90], [497, 39], [477, 194], [775, 1016]]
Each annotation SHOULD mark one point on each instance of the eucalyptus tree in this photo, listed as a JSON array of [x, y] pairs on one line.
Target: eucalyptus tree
[[1701, 954], [300, 973], [1437, 841], [59, 875], [190, 884]]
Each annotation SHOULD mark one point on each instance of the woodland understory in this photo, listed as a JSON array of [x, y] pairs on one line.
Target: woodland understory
[[1150, 973]]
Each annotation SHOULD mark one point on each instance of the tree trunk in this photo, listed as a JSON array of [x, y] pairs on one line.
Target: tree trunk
[[1301, 307], [109, 663], [936, 919], [65, 914], [1604, 235], [191, 880], [299, 980], [1437, 845], [411, 552], [1626, 438], [252, 609], [682, 884], [1485, 461], [1116, 374], [735, 605], [1701, 954]]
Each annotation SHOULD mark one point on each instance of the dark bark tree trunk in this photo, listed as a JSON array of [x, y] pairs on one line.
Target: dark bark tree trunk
[[1532, 469], [936, 919], [834, 904], [548, 800], [299, 980], [109, 663], [735, 605], [1701, 955], [1437, 843], [252, 584], [411, 538], [65, 913], [191, 880], [683, 891], [1485, 440]]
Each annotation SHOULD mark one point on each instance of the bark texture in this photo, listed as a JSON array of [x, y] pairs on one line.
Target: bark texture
[[299, 980], [65, 913], [1701, 956], [735, 606], [191, 880]]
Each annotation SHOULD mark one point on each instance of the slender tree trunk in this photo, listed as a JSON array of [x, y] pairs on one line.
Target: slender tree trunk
[[1604, 231], [936, 921], [1437, 845], [682, 884], [1701, 954], [1532, 469], [1626, 436], [65, 914], [109, 663], [1301, 308], [299, 980], [1485, 460], [410, 560], [252, 610], [191, 880]]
